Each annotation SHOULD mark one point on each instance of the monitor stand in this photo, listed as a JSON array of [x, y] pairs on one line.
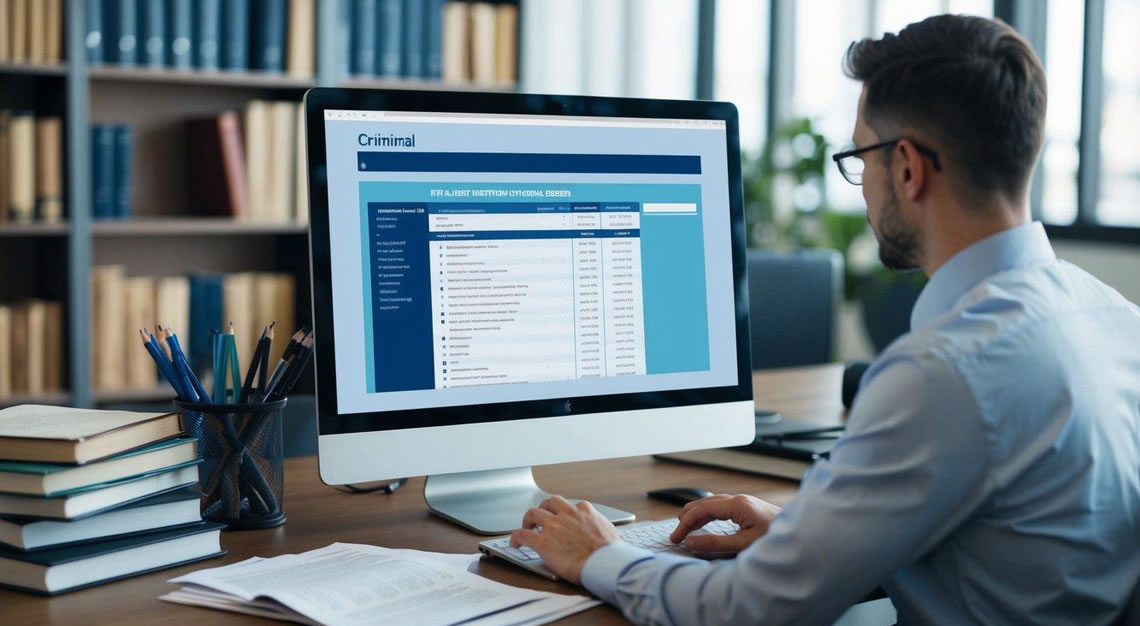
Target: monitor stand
[[493, 502]]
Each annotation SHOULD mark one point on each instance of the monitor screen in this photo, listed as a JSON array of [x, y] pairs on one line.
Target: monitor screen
[[478, 259]]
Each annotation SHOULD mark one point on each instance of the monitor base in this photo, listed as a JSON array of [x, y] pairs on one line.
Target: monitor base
[[493, 502]]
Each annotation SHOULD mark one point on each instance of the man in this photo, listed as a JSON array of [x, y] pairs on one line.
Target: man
[[990, 469]]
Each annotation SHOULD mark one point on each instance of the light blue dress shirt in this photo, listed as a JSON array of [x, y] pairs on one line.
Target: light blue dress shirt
[[989, 473]]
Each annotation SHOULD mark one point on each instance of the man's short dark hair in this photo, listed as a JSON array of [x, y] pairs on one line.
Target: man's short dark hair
[[973, 85]]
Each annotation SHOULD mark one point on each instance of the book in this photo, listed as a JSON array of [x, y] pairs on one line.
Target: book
[[506, 44], [235, 35], [258, 126], [238, 306], [102, 172], [33, 361], [153, 33], [344, 36], [776, 451], [21, 166], [141, 369], [123, 153], [96, 499], [126, 32], [456, 53], [181, 34], [51, 479], [301, 45], [433, 39], [5, 351], [53, 346], [107, 327], [49, 169], [5, 31], [95, 41], [53, 31], [275, 299], [179, 507], [215, 162], [365, 14], [69, 568], [282, 144], [484, 24], [53, 434], [172, 308], [5, 160], [36, 31], [269, 36], [205, 314], [18, 340], [207, 33], [390, 38], [18, 31], [414, 17]]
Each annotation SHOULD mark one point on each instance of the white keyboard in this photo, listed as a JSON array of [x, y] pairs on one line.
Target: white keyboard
[[652, 536]]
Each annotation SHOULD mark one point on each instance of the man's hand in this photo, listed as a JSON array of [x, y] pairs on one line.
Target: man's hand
[[569, 534], [753, 515]]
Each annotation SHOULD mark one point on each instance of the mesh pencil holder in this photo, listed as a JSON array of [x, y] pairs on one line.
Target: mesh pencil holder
[[242, 474]]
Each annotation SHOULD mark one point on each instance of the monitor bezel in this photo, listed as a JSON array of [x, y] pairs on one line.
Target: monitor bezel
[[319, 100]]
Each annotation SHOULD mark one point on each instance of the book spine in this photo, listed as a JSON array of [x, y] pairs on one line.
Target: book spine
[[126, 32], [235, 36], [181, 34], [301, 38], [364, 37], [5, 173], [122, 174], [94, 41], [344, 35], [413, 38], [49, 169], [207, 27], [18, 29], [433, 39], [102, 171], [5, 351], [53, 35], [36, 30], [154, 33], [5, 31], [389, 35], [269, 36], [22, 165]]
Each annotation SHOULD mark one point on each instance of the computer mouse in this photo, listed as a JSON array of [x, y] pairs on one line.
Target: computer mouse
[[679, 495]]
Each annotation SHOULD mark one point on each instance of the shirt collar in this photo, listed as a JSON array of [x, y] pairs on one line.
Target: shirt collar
[[1016, 247]]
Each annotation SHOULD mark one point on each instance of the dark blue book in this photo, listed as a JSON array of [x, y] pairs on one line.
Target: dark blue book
[[102, 172], [389, 38], [122, 171], [207, 29], [181, 34], [364, 16], [433, 38], [58, 570], [205, 314], [235, 36], [344, 35], [126, 32], [153, 33], [414, 38], [95, 41], [269, 36]]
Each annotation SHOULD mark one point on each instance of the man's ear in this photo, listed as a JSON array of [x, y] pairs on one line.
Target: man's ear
[[909, 171]]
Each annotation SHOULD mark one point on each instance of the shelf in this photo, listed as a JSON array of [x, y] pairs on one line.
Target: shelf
[[150, 394], [254, 80], [193, 226], [34, 229], [34, 69], [54, 398], [420, 84]]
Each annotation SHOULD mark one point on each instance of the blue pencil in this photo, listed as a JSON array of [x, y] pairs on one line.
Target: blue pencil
[[163, 365], [181, 365]]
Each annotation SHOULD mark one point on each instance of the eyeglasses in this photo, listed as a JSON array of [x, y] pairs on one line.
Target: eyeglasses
[[851, 166]]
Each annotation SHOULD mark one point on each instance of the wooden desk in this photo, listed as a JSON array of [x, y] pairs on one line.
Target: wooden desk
[[320, 515]]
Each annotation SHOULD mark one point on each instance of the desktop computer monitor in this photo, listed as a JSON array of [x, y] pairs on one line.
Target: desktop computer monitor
[[506, 280]]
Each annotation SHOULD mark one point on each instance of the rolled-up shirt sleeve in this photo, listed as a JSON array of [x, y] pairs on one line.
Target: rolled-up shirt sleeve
[[909, 468]]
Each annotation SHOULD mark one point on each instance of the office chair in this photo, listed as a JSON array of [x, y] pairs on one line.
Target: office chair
[[794, 302]]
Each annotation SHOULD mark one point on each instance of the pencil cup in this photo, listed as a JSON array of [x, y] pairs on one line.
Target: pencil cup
[[242, 474]]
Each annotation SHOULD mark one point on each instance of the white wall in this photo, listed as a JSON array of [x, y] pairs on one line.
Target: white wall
[[1116, 264]]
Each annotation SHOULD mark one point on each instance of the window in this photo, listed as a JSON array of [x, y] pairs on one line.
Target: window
[[1060, 157], [741, 72], [1119, 201]]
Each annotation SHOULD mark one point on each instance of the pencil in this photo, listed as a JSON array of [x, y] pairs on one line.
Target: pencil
[[163, 365], [178, 358], [251, 371]]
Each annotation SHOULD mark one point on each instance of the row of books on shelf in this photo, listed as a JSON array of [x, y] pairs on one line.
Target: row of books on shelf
[[31, 167], [31, 347], [88, 497], [31, 31], [111, 148], [191, 306], [250, 167], [431, 39], [206, 35]]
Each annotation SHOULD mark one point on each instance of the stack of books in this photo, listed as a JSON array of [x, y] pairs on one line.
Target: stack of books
[[31, 347], [31, 31], [31, 167], [88, 497]]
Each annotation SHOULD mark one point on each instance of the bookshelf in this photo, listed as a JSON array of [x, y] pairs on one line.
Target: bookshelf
[[165, 237]]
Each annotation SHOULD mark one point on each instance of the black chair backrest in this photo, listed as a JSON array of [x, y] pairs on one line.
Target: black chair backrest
[[794, 300]]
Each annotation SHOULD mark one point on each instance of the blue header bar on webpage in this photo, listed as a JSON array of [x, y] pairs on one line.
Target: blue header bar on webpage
[[527, 163]]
